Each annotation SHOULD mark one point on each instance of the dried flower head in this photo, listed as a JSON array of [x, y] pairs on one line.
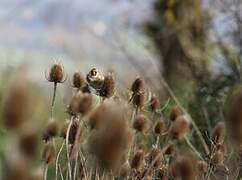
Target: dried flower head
[[217, 157], [138, 99], [138, 160], [219, 133], [48, 155], [141, 123], [175, 112], [78, 80], [170, 149], [56, 74], [187, 168], [28, 142], [179, 127], [16, 108], [107, 90], [98, 116], [138, 85], [50, 131], [154, 104], [73, 108], [160, 127], [110, 142], [85, 104], [154, 158]]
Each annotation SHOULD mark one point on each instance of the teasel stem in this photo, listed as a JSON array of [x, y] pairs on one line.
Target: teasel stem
[[75, 167], [67, 147], [45, 171], [193, 148], [157, 141], [62, 177], [57, 160], [53, 99]]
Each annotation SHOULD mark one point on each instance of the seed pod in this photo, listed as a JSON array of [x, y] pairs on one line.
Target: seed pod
[[48, 155], [97, 118], [217, 157], [160, 127], [28, 143], [16, 108], [138, 100], [179, 127], [175, 112], [154, 157], [73, 108], [154, 104], [169, 149], [78, 80], [137, 86], [56, 74], [50, 131], [107, 89], [187, 169], [138, 160], [85, 104], [219, 133], [141, 124]]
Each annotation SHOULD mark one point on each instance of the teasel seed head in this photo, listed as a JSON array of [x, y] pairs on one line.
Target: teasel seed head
[[202, 167], [154, 157], [217, 157], [160, 127], [16, 108], [170, 149], [219, 133], [138, 160], [154, 104], [187, 168], [179, 127], [141, 123], [108, 86], [56, 74], [137, 86], [73, 107], [85, 104], [48, 155], [138, 99], [51, 130], [98, 116], [175, 112], [28, 143], [78, 80]]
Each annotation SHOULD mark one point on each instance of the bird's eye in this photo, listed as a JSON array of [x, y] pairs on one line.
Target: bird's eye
[[93, 72]]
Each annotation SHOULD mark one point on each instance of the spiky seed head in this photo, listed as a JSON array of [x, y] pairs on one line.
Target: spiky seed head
[[78, 80], [154, 104], [179, 127], [160, 127], [170, 149], [108, 87], [217, 157], [28, 143], [219, 133], [138, 160], [73, 108], [187, 168], [56, 73], [154, 157], [139, 99], [48, 155], [138, 85], [85, 104], [51, 130], [141, 123], [175, 112], [97, 118]]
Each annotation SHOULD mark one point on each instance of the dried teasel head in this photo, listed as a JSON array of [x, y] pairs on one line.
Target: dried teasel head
[[138, 100], [160, 127], [138, 160], [179, 127], [48, 155], [187, 168], [16, 108], [51, 130], [78, 80], [141, 123], [170, 149], [154, 104], [155, 157], [56, 74], [217, 157], [111, 142], [85, 104], [138, 85], [98, 117], [28, 143], [107, 90], [175, 112], [219, 133], [73, 107]]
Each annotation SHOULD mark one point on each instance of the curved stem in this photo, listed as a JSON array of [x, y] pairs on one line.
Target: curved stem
[[193, 148], [45, 171], [57, 160], [67, 147]]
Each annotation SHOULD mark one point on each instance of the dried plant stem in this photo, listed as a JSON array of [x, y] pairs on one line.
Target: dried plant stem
[[62, 178], [75, 168], [57, 160], [193, 148], [67, 148], [45, 171], [53, 99]]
